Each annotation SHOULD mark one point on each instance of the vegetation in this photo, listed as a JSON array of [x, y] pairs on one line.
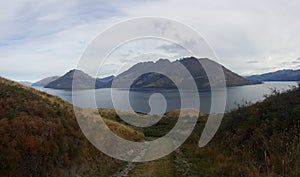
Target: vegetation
[[262, 139], [40, 137]]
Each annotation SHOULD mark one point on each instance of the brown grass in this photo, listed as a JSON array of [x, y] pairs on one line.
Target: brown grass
[[40, 136]]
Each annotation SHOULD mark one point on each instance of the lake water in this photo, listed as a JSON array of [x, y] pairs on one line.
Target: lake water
[[154, 101]]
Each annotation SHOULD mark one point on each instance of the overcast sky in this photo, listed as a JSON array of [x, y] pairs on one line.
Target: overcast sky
[[45, 38]]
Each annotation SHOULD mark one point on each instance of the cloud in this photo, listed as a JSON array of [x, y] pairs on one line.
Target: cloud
[[251, 62], [173, 48], [265, 30], [47, 38], [42, 38], [296, 62]]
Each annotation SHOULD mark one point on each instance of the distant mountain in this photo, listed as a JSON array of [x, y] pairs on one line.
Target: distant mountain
[[153, 79], [45, 81], [83, 81], [281, 75], [156, 80], [25, 83], [106, 79], [105, 82]]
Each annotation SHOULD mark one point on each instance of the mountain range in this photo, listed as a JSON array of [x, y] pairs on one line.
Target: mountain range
[[281, 75], [192, 64], [153, 79]]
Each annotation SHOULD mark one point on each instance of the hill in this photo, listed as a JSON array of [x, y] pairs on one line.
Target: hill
[[281, 75], [257, 140], [40, 137], [45, 81], [106, 79], [260, 139], [83, 81], [156, 80], [104, 82]]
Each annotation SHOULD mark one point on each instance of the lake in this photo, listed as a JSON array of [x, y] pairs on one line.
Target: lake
[[160, 101]]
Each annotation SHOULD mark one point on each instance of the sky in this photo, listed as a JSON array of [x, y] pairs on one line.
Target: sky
[[46, 38]]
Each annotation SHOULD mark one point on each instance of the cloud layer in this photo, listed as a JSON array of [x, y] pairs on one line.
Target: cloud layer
[[44, 38]]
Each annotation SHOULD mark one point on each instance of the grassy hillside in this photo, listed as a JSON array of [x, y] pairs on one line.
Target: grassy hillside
[[40, 137], [262, 139], [254, 140]]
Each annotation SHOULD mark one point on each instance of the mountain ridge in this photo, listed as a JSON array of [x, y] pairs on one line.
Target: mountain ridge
[[192, 64], [280, 75], [83, 81], [142, 80], [45, 81]]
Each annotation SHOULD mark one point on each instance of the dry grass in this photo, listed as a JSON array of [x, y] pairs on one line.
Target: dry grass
[[40, 130], [163, 167], [40, 136]]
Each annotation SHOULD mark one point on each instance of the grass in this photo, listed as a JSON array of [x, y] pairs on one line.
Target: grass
[[163, 167], [262, 139], [40, 137]]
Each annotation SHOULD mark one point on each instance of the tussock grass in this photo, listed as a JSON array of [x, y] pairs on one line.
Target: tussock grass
[[40, 136]]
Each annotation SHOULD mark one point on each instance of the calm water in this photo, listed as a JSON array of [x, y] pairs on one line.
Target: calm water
[[162, 101]]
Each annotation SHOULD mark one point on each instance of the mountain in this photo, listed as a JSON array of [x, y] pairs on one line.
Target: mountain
[[40, 136], [104, 82], [83, 81], [106, 79], [25, 83], [45, 81], [281, 75], [153, 79], [156, 80]]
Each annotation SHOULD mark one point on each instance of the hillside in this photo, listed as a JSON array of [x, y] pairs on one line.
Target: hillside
[[40, 137], [65, 82], [281, 75], [83, 81], [156, 80], [262, 139], [45, 81], [106, 79], [257, 140], [104, 82]]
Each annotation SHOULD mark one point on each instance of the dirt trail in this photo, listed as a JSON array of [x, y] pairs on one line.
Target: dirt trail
[[125, 170]]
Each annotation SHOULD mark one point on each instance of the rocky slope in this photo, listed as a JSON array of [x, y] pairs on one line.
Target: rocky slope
[[83, 81]]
